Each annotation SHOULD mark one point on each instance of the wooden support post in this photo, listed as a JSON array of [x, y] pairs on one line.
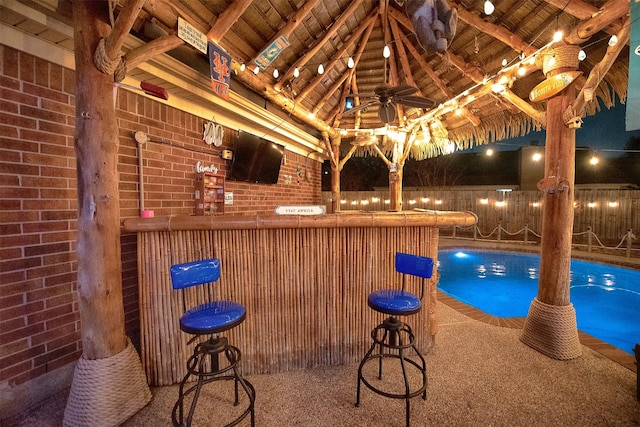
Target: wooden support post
[[551, 327], [108, 357]]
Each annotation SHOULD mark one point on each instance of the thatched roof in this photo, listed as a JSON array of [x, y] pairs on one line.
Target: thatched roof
[[330, 32]]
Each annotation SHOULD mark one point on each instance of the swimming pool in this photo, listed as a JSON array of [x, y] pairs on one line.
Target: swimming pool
[[606, 298]]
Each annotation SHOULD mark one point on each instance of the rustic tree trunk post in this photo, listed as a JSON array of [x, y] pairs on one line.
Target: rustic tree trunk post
[[395, 188], [335, 175], [551, 326], [108, 356]]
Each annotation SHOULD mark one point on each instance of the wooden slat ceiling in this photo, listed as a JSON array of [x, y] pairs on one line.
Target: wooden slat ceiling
[[329, 32]]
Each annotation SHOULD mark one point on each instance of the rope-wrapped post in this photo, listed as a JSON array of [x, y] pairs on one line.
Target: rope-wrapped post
[[552, 330]]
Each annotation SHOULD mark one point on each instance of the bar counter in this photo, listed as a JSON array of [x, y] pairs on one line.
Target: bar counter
[[304, 281]]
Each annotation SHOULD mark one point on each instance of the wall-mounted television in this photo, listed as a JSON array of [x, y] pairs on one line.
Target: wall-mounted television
[[256, 159]]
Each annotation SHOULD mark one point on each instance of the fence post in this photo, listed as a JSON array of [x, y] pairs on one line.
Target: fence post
[[475, 232], [526, 233], [589, 239], [629, 237], [499, 230], [454, 232]]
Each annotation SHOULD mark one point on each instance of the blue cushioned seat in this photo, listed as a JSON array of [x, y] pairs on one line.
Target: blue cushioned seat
[[212, 317], [394, 302]]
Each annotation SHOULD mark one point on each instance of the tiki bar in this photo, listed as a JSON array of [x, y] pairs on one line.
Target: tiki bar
[[179, 248]]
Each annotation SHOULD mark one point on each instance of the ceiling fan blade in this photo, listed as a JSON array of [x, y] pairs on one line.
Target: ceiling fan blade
[[415, 101], [360, 107], [387, 112], [402, 90]]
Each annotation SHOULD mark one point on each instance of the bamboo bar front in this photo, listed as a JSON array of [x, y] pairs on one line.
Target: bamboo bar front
[[304, 281]]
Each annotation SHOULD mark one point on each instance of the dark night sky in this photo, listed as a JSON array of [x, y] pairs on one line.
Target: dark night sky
[[603, 131]]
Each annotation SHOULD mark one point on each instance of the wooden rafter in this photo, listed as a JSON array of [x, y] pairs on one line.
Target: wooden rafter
[[294, 21], [115, 40], [338, 56], [147, 51], [610, 12], [319, 44], [598, 72], [226, 19], [584, 11]]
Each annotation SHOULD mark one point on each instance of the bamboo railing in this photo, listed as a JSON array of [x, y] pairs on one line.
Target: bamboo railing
[[303, 280]]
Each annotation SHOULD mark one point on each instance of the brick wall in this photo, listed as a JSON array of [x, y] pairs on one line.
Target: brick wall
[[39, 321]]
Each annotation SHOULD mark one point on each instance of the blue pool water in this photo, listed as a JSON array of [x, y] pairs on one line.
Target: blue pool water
[[606, 298]]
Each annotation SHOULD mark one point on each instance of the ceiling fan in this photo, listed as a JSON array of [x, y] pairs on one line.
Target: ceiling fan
[[388, 97]]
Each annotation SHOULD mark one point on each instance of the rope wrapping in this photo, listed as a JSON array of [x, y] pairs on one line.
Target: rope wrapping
[[552, 330], [104, 63], [106, 392]]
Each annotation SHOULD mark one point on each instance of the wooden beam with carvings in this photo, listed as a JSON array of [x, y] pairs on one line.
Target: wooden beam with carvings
[[308, 55]]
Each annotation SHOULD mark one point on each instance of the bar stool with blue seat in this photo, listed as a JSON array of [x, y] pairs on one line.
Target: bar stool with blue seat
[[394, 338], [209, 319]]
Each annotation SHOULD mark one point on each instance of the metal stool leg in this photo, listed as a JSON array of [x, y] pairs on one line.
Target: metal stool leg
[[196, 365], [392, 331]]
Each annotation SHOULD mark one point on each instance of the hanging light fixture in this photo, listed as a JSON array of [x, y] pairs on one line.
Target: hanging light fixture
[[320, 69], [296, 72], [386, 52], [557, 36], [582, 55], [351, 63], [488, 7]]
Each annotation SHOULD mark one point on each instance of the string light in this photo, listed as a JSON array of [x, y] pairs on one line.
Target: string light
[[296, 72], [351, 63], [488, 7], [613, 40], [582, 55], [386, 52], [504, 62], [557, 36], [256, 70], [243, 67], [536, 157], [275, 73], [320, 69]]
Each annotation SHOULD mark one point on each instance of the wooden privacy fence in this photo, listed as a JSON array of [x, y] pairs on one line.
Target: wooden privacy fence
[[609, 215]]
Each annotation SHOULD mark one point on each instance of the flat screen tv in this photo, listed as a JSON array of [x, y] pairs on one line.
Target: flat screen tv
[[256, 159]]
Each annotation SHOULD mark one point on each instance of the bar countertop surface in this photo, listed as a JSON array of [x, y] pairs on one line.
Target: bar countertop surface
[[270, 221]]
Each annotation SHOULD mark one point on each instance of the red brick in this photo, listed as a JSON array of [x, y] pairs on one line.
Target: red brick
[[27, 354], [51, 334], [55, 77], [21, 333], [62, 320], [13, 347], [15, 370], [62, 278], [31, 251], [27, 67], [9, 61]]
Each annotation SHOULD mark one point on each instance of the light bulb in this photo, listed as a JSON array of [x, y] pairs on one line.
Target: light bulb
[[386, 52], [296, 72], [613, 40], [488, 7], [582, 55], [320, 69], [351, 63], [536, 157], [504, 62], [275, 73], [557, 36], [489, 152], [243, 67], [522, 71], [256, 70]]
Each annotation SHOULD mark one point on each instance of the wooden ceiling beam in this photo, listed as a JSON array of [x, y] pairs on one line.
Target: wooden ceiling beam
[[226, 19], [147, 51], [497, 32], [583, 11], [608, 13], [109, 51], [306, 56], [577, 109], [339, 55], [293, 23]]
